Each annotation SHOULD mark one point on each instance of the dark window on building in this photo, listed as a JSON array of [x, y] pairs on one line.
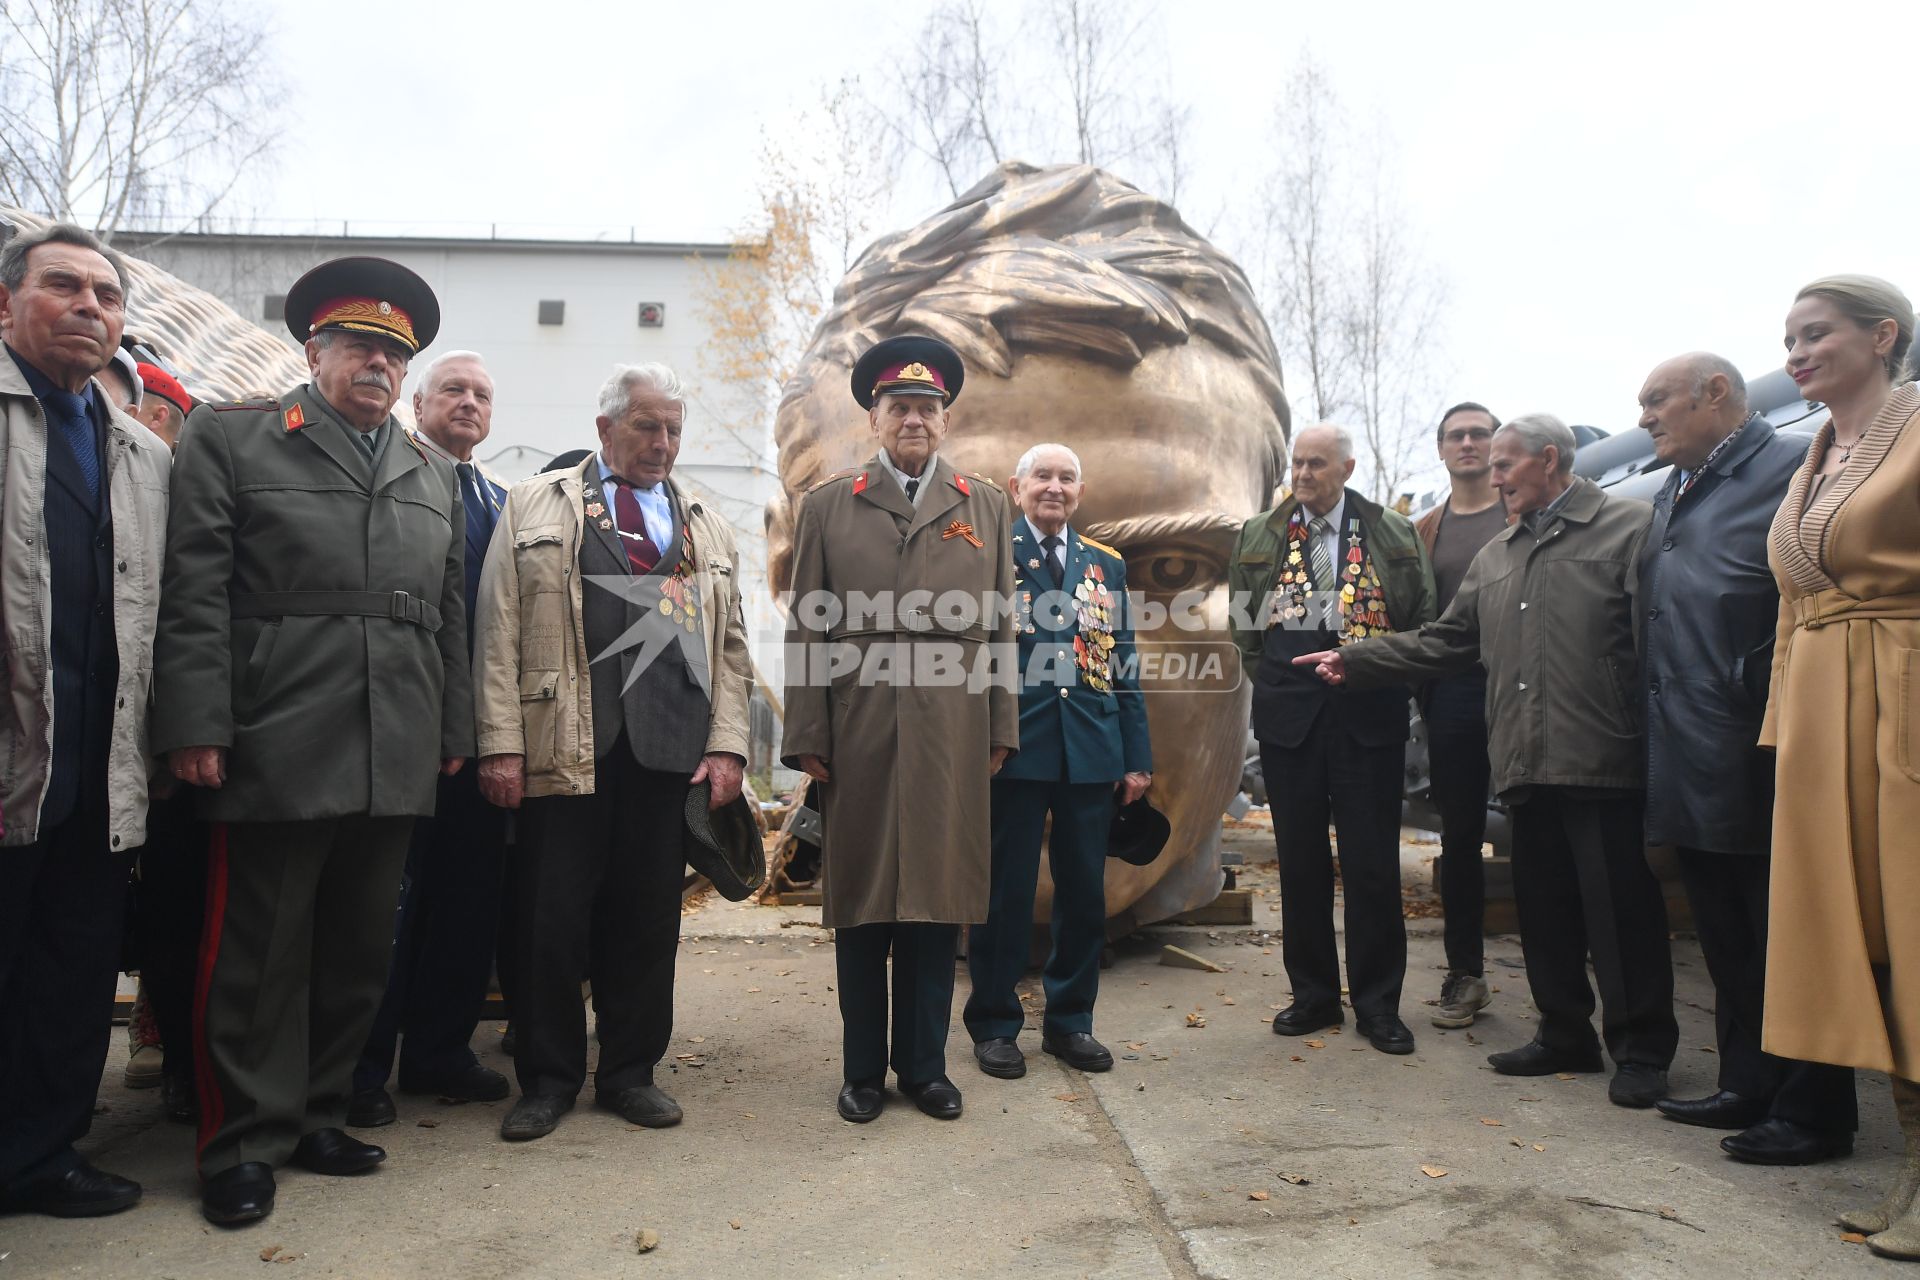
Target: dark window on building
[[553, 311], [274, 307], [653, 315]]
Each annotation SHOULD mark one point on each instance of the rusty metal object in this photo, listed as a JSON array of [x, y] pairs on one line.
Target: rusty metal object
[[1089, 314]]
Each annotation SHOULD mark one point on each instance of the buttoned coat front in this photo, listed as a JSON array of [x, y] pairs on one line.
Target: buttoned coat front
[[283, 536], [887, 693]]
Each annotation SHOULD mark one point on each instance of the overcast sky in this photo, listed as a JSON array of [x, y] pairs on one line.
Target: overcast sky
[[1601, 185]]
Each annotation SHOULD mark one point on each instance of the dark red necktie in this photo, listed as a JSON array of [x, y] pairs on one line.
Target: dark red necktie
[[641, 553]]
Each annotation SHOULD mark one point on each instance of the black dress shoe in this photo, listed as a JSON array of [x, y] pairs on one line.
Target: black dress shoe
[[1001, 1057], [1303, 1020], [472, 1083], [1779, 1141], [1722, 1110], [1637, 1085], [937, 1097], [1386, 1033], [535, 1116], [236, 1196], [643, 1104], [1536, 1059], [861, 1102], [370, 1109], [180, 1099], [81, 1192], [333, 1153], [1078, 1049]]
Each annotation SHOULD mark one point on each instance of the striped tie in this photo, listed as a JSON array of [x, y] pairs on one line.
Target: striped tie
[[1317, 532]]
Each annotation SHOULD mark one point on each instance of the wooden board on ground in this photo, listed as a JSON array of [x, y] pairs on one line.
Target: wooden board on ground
[[1233, 906]]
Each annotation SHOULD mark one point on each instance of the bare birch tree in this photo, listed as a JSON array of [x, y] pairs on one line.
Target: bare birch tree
[[113, 111]]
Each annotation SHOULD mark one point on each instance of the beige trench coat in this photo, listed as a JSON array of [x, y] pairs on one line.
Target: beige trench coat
[[907, 810], [1844, 717]]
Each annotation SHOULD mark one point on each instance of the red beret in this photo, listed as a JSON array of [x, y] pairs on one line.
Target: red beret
[[159, 382]]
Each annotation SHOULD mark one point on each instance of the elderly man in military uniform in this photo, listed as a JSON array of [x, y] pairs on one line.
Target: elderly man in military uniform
[[1083, 745], [899, 571], [311, 676], [613, 682]]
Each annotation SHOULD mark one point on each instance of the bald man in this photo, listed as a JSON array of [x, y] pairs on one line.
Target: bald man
[[1710, 604]]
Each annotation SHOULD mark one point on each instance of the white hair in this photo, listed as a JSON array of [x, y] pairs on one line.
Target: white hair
[[425, 385], [1538, 430], [1024, 467], [616, 393], [1342, 438]]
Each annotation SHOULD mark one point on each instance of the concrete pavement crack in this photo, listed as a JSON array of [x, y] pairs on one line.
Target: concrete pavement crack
[[1115, 1147]]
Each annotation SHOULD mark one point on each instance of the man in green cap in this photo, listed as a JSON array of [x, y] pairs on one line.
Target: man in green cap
[[311, 677]]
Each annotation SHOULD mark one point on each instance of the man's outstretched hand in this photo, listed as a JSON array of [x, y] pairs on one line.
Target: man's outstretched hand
[[1327, 664]]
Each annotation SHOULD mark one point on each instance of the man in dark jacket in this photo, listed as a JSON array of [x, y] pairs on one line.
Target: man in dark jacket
[[1710, 608], [1327, 567], [1549, 608]]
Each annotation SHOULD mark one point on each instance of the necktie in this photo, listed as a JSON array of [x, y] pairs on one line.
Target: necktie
[[641, 553], [69, 412], [1317, 552], [367, 442], [472, 493], [913, 487], [1052, 544]]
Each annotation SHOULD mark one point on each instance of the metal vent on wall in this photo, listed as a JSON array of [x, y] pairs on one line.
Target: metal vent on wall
[[553, 311], [653, 315]]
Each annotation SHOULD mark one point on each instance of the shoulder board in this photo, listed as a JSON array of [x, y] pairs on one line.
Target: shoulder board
[[838, 475], [1102, 546], [419, 448], [985, 480], [265, 404]]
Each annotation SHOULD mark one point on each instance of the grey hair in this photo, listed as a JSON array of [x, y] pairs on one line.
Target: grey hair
[[1701, 368], [13, 257], [1024, 467], [616, 393], [1537, 431], [1342, 438], [425, 384]]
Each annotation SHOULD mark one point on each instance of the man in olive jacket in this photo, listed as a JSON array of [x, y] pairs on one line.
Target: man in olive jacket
[[311, 675], [1549, 608], [1328, 566], [1711, 607]]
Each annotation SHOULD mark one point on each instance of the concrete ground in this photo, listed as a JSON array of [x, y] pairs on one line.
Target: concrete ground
[[1214, 1148]]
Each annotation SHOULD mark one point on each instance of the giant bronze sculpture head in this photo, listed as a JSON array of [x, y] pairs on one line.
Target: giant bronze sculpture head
[[1088, 313]]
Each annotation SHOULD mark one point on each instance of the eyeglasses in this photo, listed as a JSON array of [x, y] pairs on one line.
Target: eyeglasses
[[1476, 434]]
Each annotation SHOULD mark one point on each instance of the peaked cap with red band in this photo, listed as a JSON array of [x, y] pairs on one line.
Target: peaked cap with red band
[[159, 382], [366, 295], [909, 365]]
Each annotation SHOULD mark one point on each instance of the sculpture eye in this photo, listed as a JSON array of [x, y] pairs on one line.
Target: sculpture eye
[[1168, 569], [1173, 572]]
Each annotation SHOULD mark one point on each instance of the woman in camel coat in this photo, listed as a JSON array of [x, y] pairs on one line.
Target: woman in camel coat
[[1843, 958]]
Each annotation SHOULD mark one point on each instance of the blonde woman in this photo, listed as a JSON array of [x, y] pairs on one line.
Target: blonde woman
[[1843, 960]]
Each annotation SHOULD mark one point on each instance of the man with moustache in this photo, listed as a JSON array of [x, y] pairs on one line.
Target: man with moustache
[[83, 508], [311, 678], [1710, 605], [1330, 566], [902, 758], [1083, 736], [443, 946], [1550, 608], [1455, 710]]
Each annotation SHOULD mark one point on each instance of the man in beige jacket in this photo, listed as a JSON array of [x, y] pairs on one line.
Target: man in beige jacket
[[612, 678]]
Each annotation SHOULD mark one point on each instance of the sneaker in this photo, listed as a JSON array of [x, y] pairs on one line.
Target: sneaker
[[1462, 996], [145, 1066]]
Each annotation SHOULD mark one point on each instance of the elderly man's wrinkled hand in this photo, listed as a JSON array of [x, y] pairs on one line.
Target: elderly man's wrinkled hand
[[503, 780], [450, 765], [1327, 664], [1000, 755], [199, 766], [816, 768], [1132, 787], [722, 772]]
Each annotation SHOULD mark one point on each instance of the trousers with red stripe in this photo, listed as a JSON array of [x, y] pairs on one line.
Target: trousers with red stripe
[[293, 964]]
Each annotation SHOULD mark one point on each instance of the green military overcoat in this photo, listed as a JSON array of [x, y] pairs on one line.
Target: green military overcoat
[[907, 813], [311, 616]]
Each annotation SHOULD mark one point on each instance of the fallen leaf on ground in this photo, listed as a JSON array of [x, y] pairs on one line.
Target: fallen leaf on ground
[[1194, 1020], [1563, 1075], [1353, 1222], [428, 1124], [1136, 1045], [1294, 1057], [1227, 1000], [1434, 1171], [1295, 1179], [1539, 1146], [1852, 1237], [1067, 1097], [696, 1039], [1316, 1044], [734, 1223], [647, 1241], [1516, 1142], [751, 990], [266, 1254], [1259, 1195], [1488, 1121]]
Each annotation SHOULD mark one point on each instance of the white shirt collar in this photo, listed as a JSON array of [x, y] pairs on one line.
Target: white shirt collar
[[900, 477]]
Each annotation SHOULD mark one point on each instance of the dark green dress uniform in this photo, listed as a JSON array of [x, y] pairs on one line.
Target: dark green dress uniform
[[1083, 727], [312, 621]]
